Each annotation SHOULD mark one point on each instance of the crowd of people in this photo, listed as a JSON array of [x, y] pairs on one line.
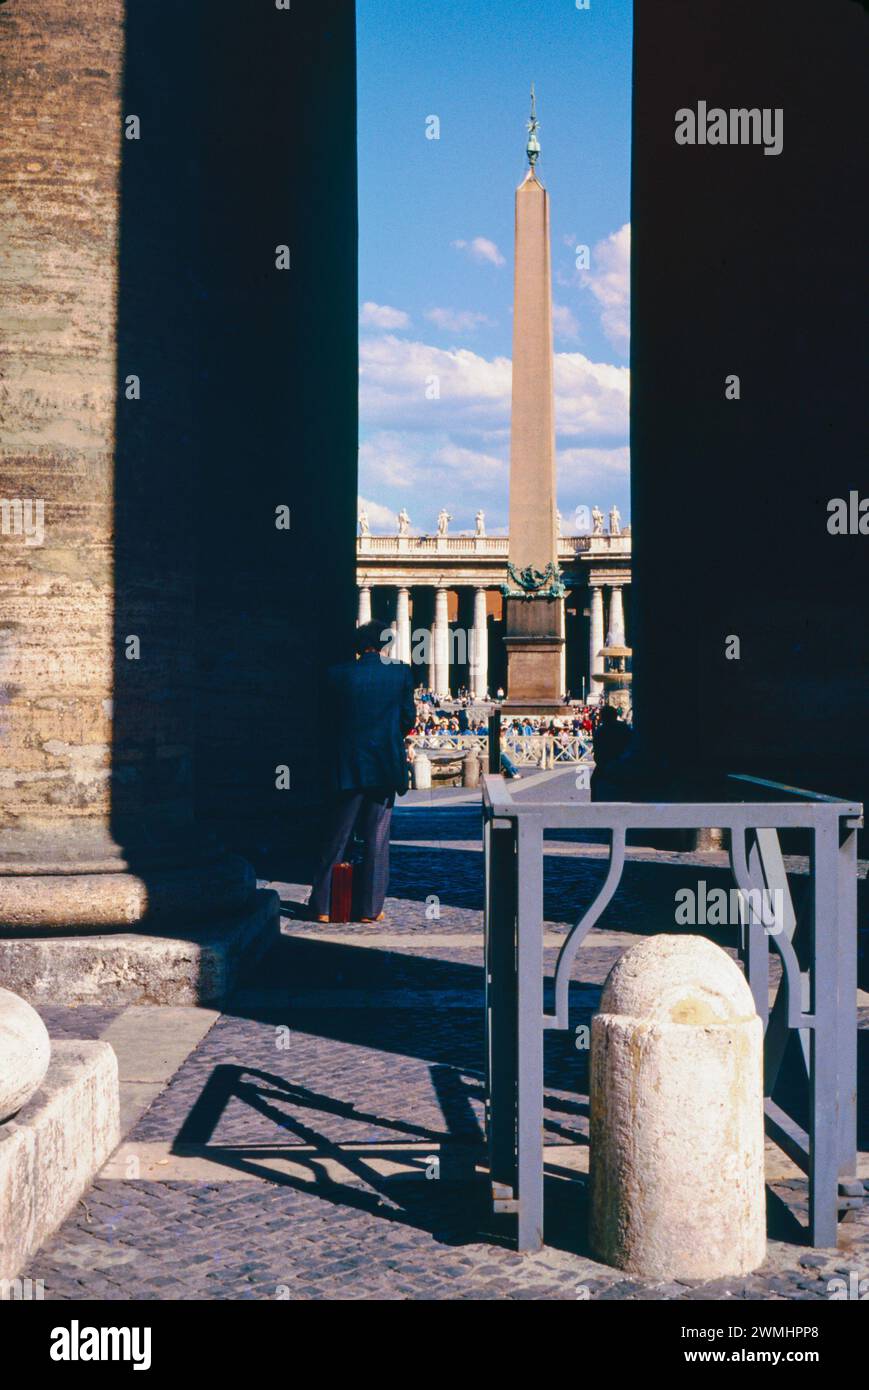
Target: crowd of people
[[597, 727], [430, 721], [433, 720]]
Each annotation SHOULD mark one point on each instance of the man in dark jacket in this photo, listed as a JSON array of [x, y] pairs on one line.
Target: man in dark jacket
[[370, 710]]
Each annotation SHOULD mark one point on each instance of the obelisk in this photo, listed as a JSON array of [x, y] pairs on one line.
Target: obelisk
[[534, 605]]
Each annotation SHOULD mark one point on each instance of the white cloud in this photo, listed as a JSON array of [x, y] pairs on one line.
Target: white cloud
[[592, 477], [563, 322], [609, 281], [380, 518], [391, 459], [405, 460], [454, 451], [423, 473], [591, 398], [481, 249], [476, 468], [382, 316], [457, 320], [579, 467], [398, 379]]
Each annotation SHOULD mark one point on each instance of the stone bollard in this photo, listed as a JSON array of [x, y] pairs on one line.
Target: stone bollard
[[677, 1144], [25, 1050], [422, 772], [471, 769]]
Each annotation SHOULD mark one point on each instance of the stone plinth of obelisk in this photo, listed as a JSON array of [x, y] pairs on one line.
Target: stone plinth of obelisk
[[534, 627]]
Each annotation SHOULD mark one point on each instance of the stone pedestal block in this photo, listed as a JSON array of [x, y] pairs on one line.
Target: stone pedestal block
[[51, 1151], [164, 966], [534, 646], [677, 1152]]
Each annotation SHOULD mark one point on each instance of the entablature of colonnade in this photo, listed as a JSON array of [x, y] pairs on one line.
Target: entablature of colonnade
[[616, 574], [405, 561]]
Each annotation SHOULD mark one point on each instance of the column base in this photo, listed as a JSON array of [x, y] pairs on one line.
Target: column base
[[168, 965], [62, 902]]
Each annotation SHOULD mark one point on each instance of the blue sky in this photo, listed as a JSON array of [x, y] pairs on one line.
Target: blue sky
[[436, 247]]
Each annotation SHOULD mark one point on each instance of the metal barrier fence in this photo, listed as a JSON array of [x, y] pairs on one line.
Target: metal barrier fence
[[816, 999], [544, 750], [525, 750], [449, 743]]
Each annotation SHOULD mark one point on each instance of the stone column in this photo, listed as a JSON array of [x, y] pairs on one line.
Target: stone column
[[562, 627], [479, 662], [364, 613], [96, 605], [402, 626], [430, 671], [441, 643], [596, 640], [616, 633]]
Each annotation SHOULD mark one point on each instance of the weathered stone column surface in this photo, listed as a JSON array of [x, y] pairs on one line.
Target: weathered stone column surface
[[677, 1149], [90, 786], [60, 112]]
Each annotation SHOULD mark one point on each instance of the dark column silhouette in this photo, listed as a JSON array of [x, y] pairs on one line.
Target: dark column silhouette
[[754, 265], [250, 115]]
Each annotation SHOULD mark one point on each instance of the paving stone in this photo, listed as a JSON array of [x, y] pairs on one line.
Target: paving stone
[[282, 1068]]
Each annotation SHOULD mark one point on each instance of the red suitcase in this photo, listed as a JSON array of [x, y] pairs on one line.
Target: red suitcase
[[341, 908]]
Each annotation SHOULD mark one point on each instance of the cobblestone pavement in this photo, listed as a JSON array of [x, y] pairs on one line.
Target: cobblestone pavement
[[354, 1038]]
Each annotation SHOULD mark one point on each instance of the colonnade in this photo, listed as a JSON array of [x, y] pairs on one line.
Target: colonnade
[[606, 629], [434, 651]]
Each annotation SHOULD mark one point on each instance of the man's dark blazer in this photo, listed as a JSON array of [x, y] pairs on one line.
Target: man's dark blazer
[[371, 708]]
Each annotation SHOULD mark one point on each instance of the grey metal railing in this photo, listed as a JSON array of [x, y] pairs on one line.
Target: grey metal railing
[[816, 999], [525, 750]]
